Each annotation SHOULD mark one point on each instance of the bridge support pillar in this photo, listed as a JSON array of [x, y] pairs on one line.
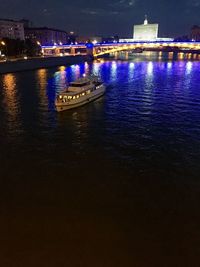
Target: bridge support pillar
[[72, 51], [57, 51], [90, 50]]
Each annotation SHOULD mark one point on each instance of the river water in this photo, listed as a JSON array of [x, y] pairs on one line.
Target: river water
[[112, 183]]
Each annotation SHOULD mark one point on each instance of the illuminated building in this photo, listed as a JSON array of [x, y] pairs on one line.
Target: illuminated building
[[11, 29], [47, 36], [146, 31]]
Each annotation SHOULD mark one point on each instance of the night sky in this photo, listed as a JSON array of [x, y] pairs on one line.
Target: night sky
[[106, 17]]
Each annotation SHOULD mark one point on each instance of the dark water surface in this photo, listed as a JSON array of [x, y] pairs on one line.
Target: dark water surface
[[112, 183]]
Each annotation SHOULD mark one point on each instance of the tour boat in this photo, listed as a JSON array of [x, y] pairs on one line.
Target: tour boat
[[80, 92]]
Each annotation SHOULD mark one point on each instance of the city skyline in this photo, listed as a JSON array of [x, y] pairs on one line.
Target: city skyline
[[106, 17]]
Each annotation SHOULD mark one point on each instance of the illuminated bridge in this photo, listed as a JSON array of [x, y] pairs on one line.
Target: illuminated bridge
[[97, 50]]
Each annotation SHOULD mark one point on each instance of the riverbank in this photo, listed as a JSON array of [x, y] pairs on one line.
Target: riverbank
[[37, 63]]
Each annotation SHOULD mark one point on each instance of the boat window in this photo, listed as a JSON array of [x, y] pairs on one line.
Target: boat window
[[77, 96], [69, 97], [74, 97], [88, 92]]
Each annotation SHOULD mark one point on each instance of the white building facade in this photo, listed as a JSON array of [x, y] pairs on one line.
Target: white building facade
[[145, 32], [11, 29]]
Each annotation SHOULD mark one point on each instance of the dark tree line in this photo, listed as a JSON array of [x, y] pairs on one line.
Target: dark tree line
[[17, 48]]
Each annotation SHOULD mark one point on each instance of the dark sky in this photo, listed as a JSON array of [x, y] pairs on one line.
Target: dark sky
[[106, 17]]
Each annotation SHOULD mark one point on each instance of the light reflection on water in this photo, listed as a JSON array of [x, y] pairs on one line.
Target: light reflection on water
[[117, 176], [10, 105], [9, 81], [41, 76]]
